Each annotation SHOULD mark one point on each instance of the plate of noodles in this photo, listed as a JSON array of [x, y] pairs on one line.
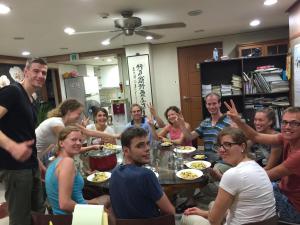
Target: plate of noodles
[[184, 149], [99, 177], [166, 144], [112, 146], [189, 174], [198, 164]]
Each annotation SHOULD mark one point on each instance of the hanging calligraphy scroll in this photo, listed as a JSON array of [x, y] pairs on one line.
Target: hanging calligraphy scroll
[[140, 82]]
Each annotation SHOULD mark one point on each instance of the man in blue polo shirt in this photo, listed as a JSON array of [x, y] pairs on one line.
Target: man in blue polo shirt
[[209, 130], [134, 190]]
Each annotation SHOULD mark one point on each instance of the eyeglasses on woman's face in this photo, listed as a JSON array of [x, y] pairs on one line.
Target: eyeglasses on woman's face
[[292, 123], [226, 146]]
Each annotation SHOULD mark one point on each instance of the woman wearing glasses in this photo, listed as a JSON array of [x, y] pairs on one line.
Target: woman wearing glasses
[[287, 190], [245, 192]]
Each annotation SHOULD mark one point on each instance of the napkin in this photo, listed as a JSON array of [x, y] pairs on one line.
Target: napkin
[[89, 214]]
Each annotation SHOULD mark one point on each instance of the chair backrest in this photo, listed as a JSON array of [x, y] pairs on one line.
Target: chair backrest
[[286, 223], [270, 221], [162, 220], [42, 219]]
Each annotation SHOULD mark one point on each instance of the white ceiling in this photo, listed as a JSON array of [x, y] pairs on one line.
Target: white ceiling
[[42, 22]]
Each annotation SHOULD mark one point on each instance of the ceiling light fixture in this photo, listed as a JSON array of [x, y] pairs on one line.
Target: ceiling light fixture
[[109, 60], [25, 53], [270, 2], [96, 57], [4, 9], [254, 23], [149, 38], [69, 30], [105, 42], [199, 31], [18, 38], [195, 12]]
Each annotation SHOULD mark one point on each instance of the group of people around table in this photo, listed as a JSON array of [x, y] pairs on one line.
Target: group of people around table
[[244, 194]]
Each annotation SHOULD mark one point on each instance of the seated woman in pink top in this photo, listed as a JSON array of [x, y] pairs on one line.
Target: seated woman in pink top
[[175, 134]]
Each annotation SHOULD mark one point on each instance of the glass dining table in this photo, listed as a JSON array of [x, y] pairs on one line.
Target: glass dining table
[[165, 163]]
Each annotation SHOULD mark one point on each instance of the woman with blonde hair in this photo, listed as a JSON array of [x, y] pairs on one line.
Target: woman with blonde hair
[[64, 183], [68, 112]]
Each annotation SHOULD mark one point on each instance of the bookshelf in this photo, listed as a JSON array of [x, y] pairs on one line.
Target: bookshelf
[[233, 73]]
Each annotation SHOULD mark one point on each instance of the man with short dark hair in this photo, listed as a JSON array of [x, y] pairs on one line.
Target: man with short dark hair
[[134, 190], [287, 190], [211, 126], [19, 168]]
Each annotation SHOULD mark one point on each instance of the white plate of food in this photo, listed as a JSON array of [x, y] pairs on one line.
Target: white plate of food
[[199, 156], [112, 146], [184, 149], [166, 144], [189, 174], [99, 177], [198, 164]]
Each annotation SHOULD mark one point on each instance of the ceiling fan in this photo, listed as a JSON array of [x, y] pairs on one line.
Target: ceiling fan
[[129, 25]]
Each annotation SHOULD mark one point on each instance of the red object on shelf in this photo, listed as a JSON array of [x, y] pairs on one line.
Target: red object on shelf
[[119, 108]]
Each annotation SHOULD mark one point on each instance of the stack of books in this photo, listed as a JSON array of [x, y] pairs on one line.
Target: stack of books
[[226, 89], [206, 89], [236, 85], [216, 89], [265, 80]]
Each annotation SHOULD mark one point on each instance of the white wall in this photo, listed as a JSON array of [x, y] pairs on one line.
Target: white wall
[[165, 78]]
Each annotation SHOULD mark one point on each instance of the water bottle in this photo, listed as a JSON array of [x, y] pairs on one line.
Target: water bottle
[[215, 54]]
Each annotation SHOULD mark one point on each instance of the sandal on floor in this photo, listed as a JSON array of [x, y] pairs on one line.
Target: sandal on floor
[[183, 206]]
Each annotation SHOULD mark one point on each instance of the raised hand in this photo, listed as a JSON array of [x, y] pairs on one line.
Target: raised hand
[[179, 120], [150, 120], [22, 151], [85, 121], [152, 109], [232, 111]]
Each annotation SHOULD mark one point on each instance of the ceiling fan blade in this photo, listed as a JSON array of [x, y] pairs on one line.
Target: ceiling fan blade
[[114, 37], [163, 26], [92, 32], [146, 33]]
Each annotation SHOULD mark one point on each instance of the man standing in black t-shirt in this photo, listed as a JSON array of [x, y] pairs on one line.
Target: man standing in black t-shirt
[[19, 168]]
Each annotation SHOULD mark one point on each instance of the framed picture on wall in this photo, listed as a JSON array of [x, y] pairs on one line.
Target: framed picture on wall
[[140, 80]]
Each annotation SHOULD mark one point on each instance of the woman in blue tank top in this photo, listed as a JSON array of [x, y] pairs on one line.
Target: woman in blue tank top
[[64, 183]]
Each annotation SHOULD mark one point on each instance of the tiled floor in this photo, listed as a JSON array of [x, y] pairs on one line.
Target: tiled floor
[[5, 220]]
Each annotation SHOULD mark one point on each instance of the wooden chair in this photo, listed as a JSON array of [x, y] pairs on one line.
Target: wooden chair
[[43, 219], [286, 223], [271, 221], [162, 220]]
